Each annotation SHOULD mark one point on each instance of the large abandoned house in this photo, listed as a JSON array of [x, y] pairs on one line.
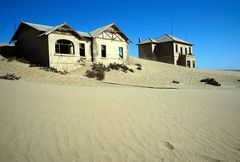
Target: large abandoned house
[[62, 47], [168, 49]]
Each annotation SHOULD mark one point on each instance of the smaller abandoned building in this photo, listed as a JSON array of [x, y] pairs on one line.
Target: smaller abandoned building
[[168, 49], [63, 48]]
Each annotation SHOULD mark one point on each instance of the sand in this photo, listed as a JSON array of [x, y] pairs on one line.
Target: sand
[[50, 117]]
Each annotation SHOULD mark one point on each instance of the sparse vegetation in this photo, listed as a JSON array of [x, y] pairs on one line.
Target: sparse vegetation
[[98, 70], [176, 82], [9, 76], [210, 81], [139, 66], [169, 145]]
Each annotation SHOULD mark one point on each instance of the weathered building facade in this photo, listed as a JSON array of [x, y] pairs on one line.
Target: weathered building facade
[[168, 49], [62, 47]]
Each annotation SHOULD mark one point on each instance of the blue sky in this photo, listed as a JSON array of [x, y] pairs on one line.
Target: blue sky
[[213, 26]]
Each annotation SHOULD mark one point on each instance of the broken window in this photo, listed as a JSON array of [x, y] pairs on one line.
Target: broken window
[[190, 51], [185, 51], [188, 63], [176, 48], [103, 50], [82, 49], [120, 52], [64, 47], [181, 51]]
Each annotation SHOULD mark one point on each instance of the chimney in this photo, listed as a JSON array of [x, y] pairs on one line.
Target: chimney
[[139, 40]]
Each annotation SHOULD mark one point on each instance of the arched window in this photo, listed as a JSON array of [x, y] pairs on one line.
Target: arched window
[[64, 46], [188, 63]]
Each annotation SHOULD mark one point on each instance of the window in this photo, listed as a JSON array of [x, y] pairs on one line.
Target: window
[[176, 48], [181, 51], [120, 51], [82, 49], [193, 64], [103, 50], [188, 64], [64, 47], [185, 51], [190, 50]]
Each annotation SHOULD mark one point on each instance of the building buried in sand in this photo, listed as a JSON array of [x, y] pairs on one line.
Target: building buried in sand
[[168, 49], [62, 47]]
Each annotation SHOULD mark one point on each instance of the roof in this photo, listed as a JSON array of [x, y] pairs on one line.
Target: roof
[[38, 26], [49, 29], [170, 38], [98, 31], [149, 40], [164, 38]]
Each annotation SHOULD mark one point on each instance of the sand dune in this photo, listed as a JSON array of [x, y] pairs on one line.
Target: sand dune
[[51, 117]]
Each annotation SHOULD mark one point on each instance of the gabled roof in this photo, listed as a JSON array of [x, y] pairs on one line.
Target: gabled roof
[[49, 29], [149, 40], [170, 38], [59, 26], [98, 31], [37, 26], [164, 38]]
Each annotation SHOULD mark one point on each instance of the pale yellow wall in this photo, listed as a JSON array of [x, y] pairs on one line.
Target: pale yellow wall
[[112, 54], [177, 54], [67, 61]]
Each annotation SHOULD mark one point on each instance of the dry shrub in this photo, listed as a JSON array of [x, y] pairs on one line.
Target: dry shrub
[[210, 81], [9, 76]]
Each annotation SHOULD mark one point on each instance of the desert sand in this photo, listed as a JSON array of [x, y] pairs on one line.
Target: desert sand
[[139, 116]]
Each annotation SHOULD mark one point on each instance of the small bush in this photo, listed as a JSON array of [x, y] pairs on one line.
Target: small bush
[[176, 82], [131, 70], [139, 68], [9, 76], [98, 71], [100, 75], [139, 65], [210, 81]]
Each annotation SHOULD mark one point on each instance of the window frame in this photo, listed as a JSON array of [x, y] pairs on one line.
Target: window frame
[[103, 51], [120, 52], [63, 44], [82, 51]]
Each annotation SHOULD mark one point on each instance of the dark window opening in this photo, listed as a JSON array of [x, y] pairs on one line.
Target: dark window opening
[[185, 51], [64, 47], [181, 51], [176, 48], [190, 50], [120, 52], [103, 50], [188, 64], [193, 64], [82, 49]]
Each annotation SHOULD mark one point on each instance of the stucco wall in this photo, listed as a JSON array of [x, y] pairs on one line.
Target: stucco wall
[[32, 47], [146, 51], [164, 52], [112, 53], [177, 54], [67, 61]]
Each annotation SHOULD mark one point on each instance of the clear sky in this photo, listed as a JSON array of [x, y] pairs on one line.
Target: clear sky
[[213, 26]]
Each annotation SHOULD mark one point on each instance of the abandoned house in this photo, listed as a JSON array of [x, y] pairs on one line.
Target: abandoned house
[[168, 49], [62, 47]]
